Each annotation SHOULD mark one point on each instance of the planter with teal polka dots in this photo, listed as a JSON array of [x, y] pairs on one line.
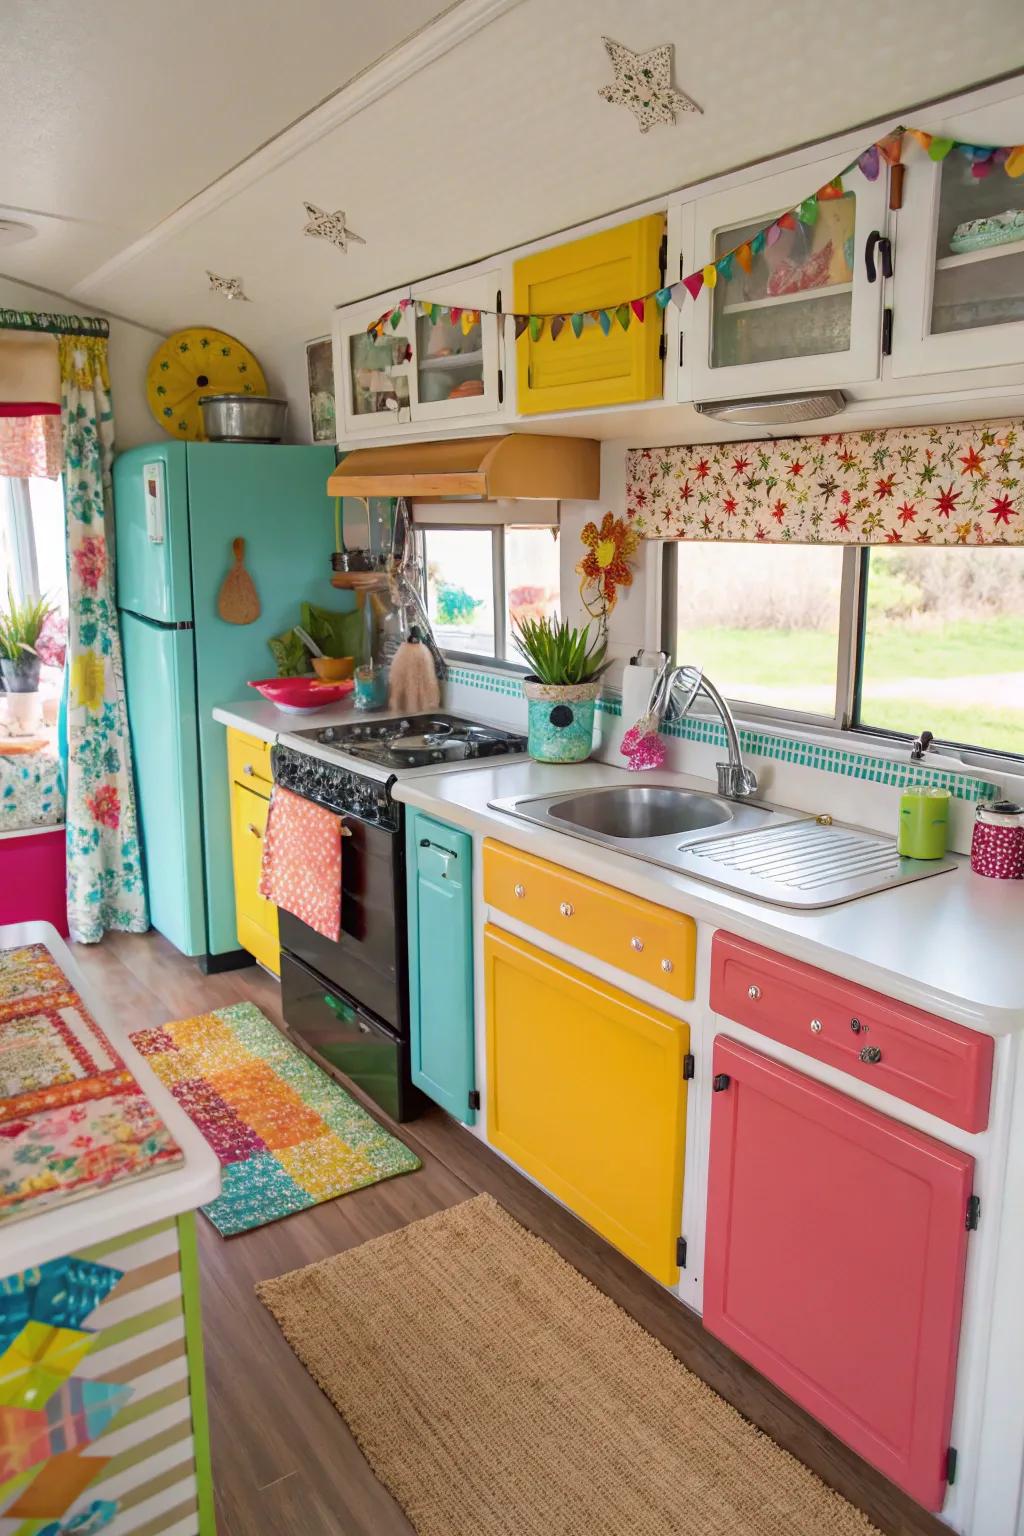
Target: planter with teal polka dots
[[561, 720]]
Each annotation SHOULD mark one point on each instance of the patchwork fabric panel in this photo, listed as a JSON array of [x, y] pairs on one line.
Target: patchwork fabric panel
[[287, 1135], [72, 1118]]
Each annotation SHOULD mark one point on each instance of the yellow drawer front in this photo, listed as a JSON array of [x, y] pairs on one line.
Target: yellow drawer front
[[255, 916], [249, 762], [567, 373], [585, 1091], [634, 935]]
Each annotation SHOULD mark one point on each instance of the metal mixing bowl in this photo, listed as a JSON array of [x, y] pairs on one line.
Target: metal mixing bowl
[[243, 418]]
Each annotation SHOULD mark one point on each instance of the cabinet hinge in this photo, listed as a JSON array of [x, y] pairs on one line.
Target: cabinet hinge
[[951, 1465], [887, 333], [662, 347], [497, 301], [681, 1252], [501, 385], [474, 1098], [663, 257], [973, 1212], [720, 1082], [688, 1065]]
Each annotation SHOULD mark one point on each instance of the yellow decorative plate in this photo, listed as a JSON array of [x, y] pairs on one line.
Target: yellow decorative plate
[[194, 363]]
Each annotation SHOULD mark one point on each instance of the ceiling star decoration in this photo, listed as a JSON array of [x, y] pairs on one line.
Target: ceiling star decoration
[[643, 83], [227, 287], [330, 226]]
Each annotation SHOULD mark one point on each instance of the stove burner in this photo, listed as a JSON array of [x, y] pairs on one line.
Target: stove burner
[[439, 738]]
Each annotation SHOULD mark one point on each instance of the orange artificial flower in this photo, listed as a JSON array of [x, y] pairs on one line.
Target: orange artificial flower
[[606, 563]]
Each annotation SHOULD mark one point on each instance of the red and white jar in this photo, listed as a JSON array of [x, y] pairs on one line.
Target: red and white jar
[[997, 846]]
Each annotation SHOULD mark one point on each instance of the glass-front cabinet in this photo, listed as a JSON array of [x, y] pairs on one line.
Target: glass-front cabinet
[[794, 308], [958, 299], [439, 366]]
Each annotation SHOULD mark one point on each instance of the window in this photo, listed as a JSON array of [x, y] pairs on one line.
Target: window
[[479, 579], [32, 541], [764, 622], [944, 645], [882, 639]]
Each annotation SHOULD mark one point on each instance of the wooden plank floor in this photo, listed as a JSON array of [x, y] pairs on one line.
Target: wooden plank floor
[[283, 1459]]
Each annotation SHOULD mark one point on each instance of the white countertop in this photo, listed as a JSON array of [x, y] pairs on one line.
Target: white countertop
[[258, 717], [952, 943], [90, 1219]]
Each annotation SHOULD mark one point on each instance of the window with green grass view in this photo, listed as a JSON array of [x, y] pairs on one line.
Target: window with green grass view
[[763, 622], [944, 645], [886, 639]]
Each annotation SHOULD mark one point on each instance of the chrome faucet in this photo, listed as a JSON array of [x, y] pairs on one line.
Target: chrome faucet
[[735, 780]]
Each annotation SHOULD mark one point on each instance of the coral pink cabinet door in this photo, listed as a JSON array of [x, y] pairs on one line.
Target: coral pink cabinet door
[[835, 1260]]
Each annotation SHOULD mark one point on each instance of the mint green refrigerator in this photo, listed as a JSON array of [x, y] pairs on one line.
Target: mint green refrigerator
[[177, 508]]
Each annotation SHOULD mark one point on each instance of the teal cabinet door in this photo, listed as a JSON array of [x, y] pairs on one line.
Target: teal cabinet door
[[439, 862]]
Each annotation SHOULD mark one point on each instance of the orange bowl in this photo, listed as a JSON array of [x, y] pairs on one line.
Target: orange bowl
[[334, 669]]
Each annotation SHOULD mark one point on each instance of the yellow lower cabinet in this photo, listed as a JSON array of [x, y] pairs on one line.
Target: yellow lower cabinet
[[585, 1091], [256, 917]]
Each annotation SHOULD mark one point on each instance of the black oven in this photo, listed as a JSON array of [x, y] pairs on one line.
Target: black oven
[[349, 1000]]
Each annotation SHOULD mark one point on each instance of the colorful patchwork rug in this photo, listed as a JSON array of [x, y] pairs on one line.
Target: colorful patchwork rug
[[287, 1135]]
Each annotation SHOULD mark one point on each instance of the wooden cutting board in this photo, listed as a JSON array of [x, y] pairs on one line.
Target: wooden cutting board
[[238, 602]]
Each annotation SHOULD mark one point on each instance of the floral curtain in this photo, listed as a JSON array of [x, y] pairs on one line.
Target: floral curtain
[[105, 881], [959, 484]]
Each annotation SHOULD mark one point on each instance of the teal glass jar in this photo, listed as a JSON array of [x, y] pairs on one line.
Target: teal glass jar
[[561, 720]]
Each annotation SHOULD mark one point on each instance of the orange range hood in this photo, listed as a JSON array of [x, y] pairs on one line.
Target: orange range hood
[[513, 466]]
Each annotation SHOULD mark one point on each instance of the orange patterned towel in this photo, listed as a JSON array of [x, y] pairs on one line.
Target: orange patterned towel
[[301, 869]]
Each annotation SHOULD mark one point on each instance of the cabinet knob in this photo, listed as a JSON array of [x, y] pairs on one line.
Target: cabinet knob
[[667, 966], [519, 890], [248, 768], [566, 909], [255, 830], [753, 992], [815, 1026], [870, 1055], [636, 944]]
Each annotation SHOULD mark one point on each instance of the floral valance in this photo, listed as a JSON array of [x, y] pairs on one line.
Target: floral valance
[[960, 484], [30, 425]]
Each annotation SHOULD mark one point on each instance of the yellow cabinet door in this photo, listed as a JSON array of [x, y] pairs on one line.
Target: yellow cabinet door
[[582, 277], [256, 917], [249, 761], [585, 1091]]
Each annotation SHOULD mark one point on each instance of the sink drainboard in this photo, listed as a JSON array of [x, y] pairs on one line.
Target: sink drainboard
[[807, 863]]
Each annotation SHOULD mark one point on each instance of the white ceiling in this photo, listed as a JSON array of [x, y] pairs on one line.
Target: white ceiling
[[112, 114], [499, 138]]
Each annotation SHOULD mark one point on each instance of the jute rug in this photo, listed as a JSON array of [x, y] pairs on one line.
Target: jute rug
[[496, 1392]]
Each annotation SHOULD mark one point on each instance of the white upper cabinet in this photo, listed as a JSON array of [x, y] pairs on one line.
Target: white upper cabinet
[[958, 298], [420, 370], [805, 315]]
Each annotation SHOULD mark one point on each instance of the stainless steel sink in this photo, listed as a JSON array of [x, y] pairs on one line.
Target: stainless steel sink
[[653, 821], [785, 857], [640, 811]]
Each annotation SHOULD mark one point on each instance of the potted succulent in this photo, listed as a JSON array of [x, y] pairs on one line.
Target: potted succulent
[[562, 686], [20, 627]]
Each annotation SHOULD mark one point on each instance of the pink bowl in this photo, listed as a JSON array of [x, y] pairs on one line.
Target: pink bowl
[[302, 695]]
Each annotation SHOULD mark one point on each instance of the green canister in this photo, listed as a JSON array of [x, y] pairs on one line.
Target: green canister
[[924, 823]]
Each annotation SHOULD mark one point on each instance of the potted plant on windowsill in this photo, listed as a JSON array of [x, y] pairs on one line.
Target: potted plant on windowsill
[[20, 627], [562, 686]]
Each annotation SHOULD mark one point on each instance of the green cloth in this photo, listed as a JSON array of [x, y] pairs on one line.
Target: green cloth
[[337, 634]]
